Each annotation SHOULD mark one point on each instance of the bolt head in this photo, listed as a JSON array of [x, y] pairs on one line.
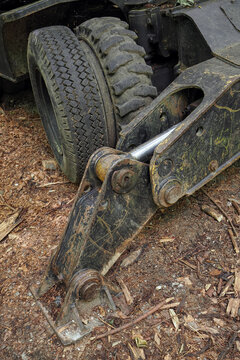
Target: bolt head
[[171, 191], [123, 180], [173, 194]]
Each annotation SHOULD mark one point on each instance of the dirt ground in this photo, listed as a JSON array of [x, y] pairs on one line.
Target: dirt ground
[[183, 253]]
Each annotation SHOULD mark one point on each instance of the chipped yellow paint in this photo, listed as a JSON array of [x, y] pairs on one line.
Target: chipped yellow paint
[[226, 108]]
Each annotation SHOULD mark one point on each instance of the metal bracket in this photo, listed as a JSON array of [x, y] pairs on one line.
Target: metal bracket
[[106, 214]]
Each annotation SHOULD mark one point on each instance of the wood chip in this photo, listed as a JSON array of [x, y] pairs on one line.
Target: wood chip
[[157, 338], [233, 306], [170, 306], [168, 357], [185, 280], [120, 302], [131, 258], [166, 239], [238, 345], [192, 324], [236, 220], [227, 286], [126, 292], [237, 282], [213, 213], [234, 241], [9, 224], [187, 263], [219, 322], [236, 205], [175, 319], [50, 164], [215, 272]]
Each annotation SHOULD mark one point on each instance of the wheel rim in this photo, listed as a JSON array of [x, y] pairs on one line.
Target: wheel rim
[[49, 119]]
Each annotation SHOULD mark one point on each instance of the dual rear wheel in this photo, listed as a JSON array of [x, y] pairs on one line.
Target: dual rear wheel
[[87, 86]]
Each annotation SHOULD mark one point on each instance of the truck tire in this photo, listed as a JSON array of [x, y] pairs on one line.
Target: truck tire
[[81, 100], [71, 97], [122, 61]]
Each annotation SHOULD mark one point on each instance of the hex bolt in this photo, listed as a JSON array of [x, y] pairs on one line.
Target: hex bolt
[[170, 193]]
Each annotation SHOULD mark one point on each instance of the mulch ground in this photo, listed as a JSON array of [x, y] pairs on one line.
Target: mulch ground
[[183, 253]]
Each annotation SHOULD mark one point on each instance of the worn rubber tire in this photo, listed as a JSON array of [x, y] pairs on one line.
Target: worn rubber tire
[[122, 62], [72, 98]]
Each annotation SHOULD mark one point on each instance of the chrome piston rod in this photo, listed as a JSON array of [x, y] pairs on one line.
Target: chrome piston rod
[[145, 150]]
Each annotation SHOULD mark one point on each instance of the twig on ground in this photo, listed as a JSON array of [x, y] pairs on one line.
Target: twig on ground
[[140, 318], [105, 322], [213, 213], [234, 241], [231, 341], [227, 286], [187, 263], [223, 212], [53, 183], [126, 292], [236, 205]]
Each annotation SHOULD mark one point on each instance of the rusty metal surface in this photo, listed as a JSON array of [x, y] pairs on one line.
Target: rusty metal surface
[[101, 230], [101, 225], [207, 141]]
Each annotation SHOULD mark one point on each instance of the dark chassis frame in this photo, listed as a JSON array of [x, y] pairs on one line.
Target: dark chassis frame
[[170, 35]]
